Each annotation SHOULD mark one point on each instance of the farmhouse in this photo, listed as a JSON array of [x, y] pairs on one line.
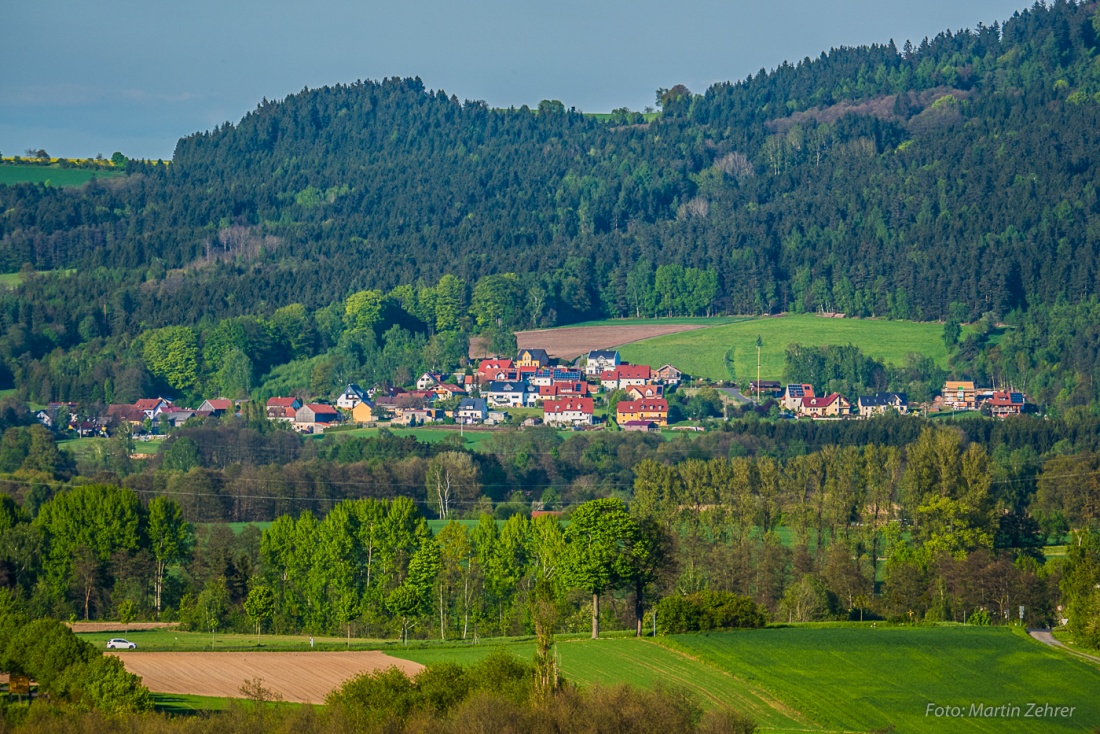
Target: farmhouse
[[600, 361], [216, 407], [960, 394], [793, 394], [416, 416], [472, 410], [624, 376], [883, 402], [644, 426], [654, 410], [282, 409], [569, 412], [829, 406], [314, 417], [352, 396]]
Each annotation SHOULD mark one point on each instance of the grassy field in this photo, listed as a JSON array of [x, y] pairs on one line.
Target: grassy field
[[828, 677], [700, 320], [57, 176], [702, 353], [861, 678], [85, 447]]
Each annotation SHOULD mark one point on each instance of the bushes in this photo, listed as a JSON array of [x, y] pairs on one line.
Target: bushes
[[707, 610], [69, 669], [389, 696]]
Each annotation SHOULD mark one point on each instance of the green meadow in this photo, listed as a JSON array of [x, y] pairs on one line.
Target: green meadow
[[56, 175], [840, 677], [703, 352]]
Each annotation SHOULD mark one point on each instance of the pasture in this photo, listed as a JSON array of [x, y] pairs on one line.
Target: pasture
[[703, 352], [55, 175], [820, 677]]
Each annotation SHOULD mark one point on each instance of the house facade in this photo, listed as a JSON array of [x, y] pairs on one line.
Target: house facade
[[364, 412], [625, 375], [668, 374], [352, 396], [653, 410], [600, 361], [1004, 403], [833, 405], [510, 394], [472, 410], [568, 412], [644, 392], [960, 395], [793, 395], [882, 402], [536, 358]]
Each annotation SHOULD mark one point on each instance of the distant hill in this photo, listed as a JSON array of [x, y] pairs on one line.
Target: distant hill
[[953, 178]]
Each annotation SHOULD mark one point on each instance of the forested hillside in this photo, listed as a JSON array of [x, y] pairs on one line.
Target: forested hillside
[[951, 179]]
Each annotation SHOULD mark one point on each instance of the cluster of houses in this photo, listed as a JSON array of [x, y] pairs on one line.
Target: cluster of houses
[[801, 401], [565, 394], [963, 395]]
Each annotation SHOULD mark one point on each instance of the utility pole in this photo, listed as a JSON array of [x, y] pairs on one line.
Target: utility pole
[[759, 343]]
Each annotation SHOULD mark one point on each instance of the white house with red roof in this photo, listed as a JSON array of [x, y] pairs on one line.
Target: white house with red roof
[[625, 375], [833, 405], [793, 394], [568, 412]]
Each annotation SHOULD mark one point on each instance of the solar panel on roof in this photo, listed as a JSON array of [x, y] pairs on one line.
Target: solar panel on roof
[[1017, 398], [796, 391]]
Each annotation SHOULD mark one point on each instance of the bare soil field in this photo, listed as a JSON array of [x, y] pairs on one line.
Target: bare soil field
[[299, 677], [571, 342], [79, 627]]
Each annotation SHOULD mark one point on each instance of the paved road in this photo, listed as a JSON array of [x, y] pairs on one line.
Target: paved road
[[1047, 638]]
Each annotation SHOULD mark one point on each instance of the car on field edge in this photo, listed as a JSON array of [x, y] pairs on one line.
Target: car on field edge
[[118, 643]]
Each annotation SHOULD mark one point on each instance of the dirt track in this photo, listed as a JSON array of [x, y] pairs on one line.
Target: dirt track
[[301, 677], [80, 627], [571, 342]]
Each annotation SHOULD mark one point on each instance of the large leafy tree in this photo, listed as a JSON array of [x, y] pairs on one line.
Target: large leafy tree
[[598, 544], [170, 539]]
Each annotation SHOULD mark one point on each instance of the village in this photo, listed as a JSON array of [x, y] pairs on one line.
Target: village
[[598, 391]]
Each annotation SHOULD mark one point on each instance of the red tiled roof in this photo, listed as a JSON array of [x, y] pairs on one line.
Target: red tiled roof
[[821, 402], [489, 365], [221, 403], [628, 372], [321, 408], [583, 405], [280, 402]]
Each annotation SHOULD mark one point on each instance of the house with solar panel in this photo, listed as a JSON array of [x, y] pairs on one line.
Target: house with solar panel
[[1005, 403], [793, 394]]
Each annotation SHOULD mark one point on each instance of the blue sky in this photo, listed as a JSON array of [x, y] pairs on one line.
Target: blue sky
[[80, 78]]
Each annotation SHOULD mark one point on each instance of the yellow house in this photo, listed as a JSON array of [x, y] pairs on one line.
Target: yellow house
[[364, 412], [536, 358]]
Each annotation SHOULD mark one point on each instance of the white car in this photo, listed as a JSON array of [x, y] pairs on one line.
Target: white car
[[120, 644]]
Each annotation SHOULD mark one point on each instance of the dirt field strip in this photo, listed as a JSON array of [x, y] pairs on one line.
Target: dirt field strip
[[81, 627], [571, 342], [300, 677]]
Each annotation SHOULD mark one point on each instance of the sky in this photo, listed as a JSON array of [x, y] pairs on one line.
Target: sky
[[82, 78]]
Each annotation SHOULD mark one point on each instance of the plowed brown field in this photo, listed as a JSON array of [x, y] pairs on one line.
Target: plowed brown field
[[571, 342], [301, 677]]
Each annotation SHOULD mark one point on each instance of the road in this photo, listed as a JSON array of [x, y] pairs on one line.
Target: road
[[1047, 638]]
